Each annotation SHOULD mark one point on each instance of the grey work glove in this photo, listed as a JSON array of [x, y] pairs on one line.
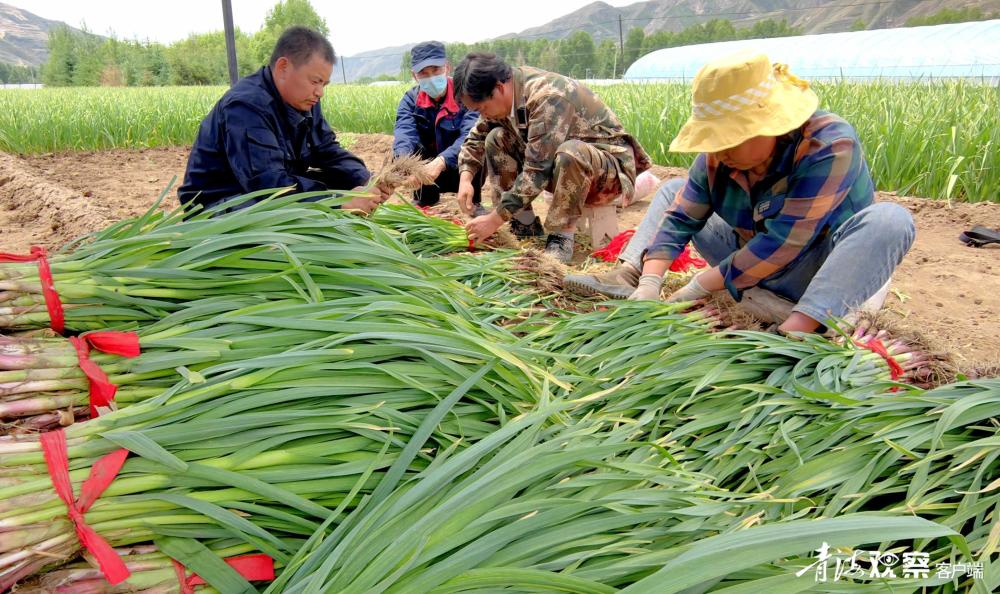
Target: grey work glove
[[689, 292], [648, 289]]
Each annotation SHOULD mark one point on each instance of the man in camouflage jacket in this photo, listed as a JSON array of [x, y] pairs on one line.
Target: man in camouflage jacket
[[538, 131]]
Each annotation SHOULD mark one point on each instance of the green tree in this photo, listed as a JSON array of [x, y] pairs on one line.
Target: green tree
[[633, 46], [201, 59], [577, 55], [15, 74], [658, 40], [951, 15], [548, 58], [707, 32], [154, 69], [859, 25], [58, 69], [404, 64], [769, 28], [608, 60], [75, 58], [285, 14]]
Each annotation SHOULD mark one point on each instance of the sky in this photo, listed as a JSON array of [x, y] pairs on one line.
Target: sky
[[354, 26]]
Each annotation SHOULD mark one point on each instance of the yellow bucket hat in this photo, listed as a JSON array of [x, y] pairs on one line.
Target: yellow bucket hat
[[741, 96]]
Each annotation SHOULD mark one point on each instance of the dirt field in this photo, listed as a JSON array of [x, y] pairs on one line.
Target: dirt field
[[945, 291]]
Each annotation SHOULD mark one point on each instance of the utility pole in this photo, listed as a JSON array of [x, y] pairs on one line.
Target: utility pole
[[621, 46], [227, 21], [343, 72]]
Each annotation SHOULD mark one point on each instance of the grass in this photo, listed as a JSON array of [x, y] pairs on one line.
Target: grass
[[937, 140]]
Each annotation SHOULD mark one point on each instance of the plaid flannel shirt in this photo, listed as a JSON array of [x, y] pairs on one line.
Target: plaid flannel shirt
[[817, 180]]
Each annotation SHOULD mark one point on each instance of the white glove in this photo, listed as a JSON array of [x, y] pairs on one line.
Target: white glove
[[689, 292], [648, 289]]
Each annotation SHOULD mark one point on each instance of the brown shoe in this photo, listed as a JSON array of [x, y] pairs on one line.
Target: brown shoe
[[619, 282]]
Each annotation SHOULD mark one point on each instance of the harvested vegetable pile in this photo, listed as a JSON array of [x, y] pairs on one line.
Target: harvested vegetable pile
[[316, 402]]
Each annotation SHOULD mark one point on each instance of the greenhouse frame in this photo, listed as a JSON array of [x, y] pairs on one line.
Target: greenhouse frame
[[963, 50]]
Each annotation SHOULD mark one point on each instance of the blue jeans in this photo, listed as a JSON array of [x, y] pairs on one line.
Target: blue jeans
[[832, 277]]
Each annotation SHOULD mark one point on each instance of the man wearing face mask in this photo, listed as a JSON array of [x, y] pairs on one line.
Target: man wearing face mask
[[268, 132], [432, 124]]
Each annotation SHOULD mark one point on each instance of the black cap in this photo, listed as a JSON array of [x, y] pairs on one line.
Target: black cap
[[428, 53]]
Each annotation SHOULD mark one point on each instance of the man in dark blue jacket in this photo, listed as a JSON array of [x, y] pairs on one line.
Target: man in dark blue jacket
[[268, 132], [432, 124]]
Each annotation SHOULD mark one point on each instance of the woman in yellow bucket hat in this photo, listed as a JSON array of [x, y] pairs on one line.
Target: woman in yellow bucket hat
[[779, 201]]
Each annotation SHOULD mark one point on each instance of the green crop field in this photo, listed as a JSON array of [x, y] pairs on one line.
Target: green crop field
[[935, 140]]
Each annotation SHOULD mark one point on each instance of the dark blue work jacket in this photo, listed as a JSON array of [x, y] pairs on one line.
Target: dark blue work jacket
[[253, 140]]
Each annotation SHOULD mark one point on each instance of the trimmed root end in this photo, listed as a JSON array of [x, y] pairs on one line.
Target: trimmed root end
[[730, 315], [984, 371], [548, 271], [396, 172], [934, 365]]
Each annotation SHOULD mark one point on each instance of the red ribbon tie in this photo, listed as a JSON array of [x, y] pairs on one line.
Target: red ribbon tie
[[252, 567], [101, 475], [875, 345], [102, 391], [57, 318]]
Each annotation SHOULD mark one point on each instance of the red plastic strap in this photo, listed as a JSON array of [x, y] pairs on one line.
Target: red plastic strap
[[113, 342], [182, 578], [610, 252], [613, 250], [102, 391], [102, 474], [32, 257], [686, 260], [253, 568], [57, 318], [875, 345]]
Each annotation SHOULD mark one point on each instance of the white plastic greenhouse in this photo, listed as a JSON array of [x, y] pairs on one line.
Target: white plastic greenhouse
[[962, 50]]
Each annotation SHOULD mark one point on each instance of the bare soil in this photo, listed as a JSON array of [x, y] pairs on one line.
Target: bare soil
[[944, 291]]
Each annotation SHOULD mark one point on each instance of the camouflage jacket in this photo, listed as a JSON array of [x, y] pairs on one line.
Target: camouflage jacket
[[549, 110]]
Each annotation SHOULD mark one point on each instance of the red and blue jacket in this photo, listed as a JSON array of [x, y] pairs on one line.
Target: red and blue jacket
[[429, 129]]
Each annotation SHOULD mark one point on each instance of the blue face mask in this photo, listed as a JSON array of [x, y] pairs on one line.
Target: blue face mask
[[435, 86]]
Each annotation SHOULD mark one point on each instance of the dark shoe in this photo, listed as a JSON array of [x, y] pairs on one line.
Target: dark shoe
[[424, 203], [522, 231], [425, 196], [479, 210], [618, 282], [979, 236], [560, 247]]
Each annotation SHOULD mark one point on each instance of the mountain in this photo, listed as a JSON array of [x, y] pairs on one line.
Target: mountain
[[24, 42], [813, 16], [601, 20], [24, 36], [373, 63]]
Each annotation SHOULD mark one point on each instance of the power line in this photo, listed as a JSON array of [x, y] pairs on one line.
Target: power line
[[772, 12], [649, 19], [718, 14]]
